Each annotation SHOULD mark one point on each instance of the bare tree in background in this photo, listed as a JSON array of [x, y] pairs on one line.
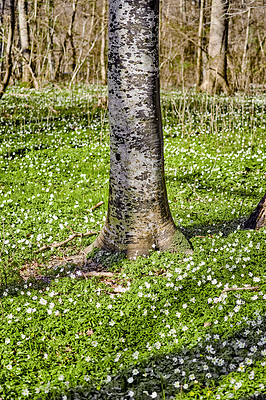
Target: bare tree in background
[[216, 75], [50, 38], [69, 36], [24, 40], [9, 62], [244, 59], [200, 43], [2, 44], [103, 44], [67, 41]]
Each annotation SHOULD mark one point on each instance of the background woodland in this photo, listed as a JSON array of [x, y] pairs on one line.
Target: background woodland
[[66, 41]]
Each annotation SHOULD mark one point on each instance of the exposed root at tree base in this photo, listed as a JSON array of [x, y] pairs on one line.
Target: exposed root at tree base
[[177, 243]]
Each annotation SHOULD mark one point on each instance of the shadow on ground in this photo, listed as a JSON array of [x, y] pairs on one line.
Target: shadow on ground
[[207, 362], [59, 268], [226, 228]]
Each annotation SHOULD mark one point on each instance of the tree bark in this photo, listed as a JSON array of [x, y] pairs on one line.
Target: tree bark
[[257, 219], [50, 38], [2, 46], [70, 34], [139, 217], [182, 9], [102, 56], [244, 60], [200, 44], [7, 76], [216, 76], [24, 39]]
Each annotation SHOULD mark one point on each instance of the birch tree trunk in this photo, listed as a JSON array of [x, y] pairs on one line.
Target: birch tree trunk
[[216, 75], [24, 39], [139, 217]]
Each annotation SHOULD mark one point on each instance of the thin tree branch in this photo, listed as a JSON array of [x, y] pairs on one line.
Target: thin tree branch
[[59, 244], [78, 67], [255, 288], [3, 237], [2, 310], [98, 273], [96, 205]]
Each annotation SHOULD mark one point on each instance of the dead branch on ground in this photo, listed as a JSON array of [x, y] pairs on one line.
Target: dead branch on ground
[[96, 205], [71, 237], [98, 273], [255, 288]]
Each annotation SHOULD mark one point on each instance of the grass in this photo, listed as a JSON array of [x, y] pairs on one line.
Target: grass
[[160, 327]]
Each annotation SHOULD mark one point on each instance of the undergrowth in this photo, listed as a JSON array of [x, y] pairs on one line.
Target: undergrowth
[[162, 327]]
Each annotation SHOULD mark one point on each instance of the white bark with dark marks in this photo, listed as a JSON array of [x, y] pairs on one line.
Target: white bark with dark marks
[[139, 217]]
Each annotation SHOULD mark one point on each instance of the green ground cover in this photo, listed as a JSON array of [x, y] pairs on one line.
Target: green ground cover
[[161, 327]]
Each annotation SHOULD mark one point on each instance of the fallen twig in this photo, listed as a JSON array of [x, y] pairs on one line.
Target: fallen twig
[[96, 205], [84, 275], [19, 94], [52, 109], [120, 289], [3, 238], [232, 289], [98, 273], [2, 310], [59, 244], [71, 230]]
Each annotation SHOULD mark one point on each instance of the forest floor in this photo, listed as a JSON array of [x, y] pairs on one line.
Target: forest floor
[[167, 326]]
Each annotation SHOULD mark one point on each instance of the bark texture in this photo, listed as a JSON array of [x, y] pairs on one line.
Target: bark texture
[[2, 10], [102, 57], [7, 76], [257, 219], [200, 43], [139, 217], [244, 60], [216, 75], [24, 39]]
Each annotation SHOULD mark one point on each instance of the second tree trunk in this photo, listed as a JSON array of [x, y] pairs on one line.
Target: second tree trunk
[[216, 75]]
